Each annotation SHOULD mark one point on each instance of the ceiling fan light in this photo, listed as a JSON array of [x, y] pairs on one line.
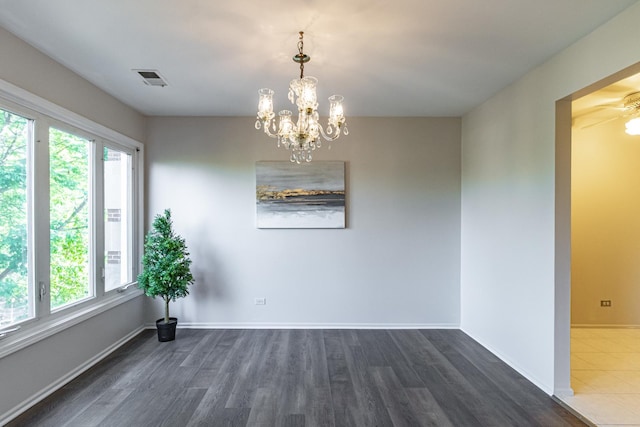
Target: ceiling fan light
[[633, 126]]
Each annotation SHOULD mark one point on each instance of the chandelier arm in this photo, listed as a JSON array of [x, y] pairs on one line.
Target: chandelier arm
[[335, 136], [265, 126]]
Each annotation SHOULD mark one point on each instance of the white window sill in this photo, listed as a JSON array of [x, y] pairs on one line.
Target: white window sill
[[40, 330]]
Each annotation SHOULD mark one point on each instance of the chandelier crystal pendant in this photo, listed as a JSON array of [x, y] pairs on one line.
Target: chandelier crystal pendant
[[303, 136]]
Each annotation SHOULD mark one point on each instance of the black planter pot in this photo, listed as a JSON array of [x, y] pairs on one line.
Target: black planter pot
[[166, 331]]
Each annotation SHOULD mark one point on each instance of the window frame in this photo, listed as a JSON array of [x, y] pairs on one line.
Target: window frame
[[94, 189], [137, 245], [32, 201], [45, 115]]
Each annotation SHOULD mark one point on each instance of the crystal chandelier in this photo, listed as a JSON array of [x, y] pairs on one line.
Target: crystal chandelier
[[302, 137]]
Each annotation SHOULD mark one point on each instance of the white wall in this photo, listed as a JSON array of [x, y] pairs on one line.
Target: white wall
[[508, 261], [28, 373], [396, 263]]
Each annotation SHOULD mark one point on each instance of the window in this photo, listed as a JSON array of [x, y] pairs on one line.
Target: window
[[69, 218], [16, 290], [118, 222], [70, 209]]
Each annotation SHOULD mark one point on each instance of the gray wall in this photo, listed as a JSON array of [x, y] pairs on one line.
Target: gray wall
[[396, 263], [34, 369]]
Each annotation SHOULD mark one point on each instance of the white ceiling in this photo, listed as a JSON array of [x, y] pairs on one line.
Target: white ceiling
[[388, 58]]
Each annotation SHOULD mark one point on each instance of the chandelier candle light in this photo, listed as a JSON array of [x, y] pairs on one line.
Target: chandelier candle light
[[303, 136]]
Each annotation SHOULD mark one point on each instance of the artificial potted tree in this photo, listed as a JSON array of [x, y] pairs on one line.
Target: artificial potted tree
[[165, 270]]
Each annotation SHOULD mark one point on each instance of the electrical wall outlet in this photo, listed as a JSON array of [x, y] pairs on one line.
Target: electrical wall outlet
[[605, 303], [261, 301]]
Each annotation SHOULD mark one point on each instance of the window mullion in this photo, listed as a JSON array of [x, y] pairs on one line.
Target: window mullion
[[40, 212], [98, 231]]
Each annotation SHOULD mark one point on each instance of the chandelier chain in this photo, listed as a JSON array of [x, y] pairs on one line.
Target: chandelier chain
[[301, 53]]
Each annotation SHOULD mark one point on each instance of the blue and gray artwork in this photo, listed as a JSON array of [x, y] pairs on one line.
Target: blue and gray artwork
[[310, 195]]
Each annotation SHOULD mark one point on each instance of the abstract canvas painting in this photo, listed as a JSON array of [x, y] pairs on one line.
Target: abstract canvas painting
[[310, 195]]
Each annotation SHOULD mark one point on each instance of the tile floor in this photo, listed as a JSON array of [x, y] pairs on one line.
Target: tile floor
[[605, 375]]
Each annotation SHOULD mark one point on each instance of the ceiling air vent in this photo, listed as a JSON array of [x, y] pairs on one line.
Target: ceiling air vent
[[151, 77]]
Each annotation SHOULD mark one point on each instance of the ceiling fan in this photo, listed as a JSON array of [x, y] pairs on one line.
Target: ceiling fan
[[627, 107]]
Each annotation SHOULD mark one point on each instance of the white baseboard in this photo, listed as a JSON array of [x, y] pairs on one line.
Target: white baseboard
[[240, 325], [51, 388]]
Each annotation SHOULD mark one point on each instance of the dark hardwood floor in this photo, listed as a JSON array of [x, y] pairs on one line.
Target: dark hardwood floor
[[300, 378]]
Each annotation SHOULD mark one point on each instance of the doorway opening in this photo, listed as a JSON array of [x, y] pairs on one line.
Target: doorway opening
[[598, 249]]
